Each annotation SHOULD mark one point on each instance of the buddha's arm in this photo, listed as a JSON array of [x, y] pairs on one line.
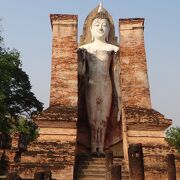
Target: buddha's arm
[[81, 69], [81, 62], [116, 75]]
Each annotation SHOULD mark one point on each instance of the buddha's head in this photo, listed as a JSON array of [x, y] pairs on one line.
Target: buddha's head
[[100, 26]]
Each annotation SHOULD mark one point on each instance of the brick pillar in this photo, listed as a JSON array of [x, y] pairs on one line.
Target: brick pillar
[[171, 167], [109, 163], [136, 163], [134, 77], [64, 60], [116, 172], [43, 175], [4, 163], [13, 176]]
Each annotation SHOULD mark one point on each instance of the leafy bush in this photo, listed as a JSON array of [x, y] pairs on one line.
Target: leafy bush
[[16, 97], [173, 137], [27, 127], [5, 125]]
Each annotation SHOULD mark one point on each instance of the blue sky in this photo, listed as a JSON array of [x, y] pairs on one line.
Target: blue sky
[[26, 27]]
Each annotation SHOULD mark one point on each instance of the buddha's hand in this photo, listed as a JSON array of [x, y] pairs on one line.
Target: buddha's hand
[[119, 115], [119, 110]]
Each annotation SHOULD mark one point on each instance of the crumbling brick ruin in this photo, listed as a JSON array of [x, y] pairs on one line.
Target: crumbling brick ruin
[[136, 147]]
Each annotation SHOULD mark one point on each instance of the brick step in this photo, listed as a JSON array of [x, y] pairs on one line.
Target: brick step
[[92, 160], [123, 169], [43, 165], [90, 172], [90, 176], [85, 163], [88, 156], [98, 161], [92, 168], [125, 176], [90, 164], [117, 160]]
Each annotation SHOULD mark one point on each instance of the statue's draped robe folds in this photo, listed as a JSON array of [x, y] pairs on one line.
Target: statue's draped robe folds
[[113, 128], [98, 96]]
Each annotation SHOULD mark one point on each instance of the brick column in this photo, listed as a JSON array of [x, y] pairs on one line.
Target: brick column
[[136, 162], [109, 163], [116, 172], [64, 60], [134, 77]]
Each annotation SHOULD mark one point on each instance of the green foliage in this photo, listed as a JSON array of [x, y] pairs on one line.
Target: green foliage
[[27, 127], [15, 88], [16, 98], [173, 137], [5, 125]]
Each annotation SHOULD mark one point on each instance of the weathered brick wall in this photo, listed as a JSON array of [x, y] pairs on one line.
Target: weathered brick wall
[[156, 162], [56, 145], [147, 126], [54, 150], [64, 60], [134, 78]]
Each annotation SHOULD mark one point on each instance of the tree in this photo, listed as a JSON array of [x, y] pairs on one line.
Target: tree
[[27, 127], [16, 97], [173, 137]]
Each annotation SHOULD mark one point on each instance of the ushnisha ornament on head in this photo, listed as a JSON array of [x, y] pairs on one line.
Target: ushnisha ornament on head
[[101, 13]]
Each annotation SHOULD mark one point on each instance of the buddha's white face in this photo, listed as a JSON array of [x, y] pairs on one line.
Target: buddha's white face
[[100, 29]]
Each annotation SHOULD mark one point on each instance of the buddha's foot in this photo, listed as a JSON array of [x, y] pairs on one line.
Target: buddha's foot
[[94, 153]]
